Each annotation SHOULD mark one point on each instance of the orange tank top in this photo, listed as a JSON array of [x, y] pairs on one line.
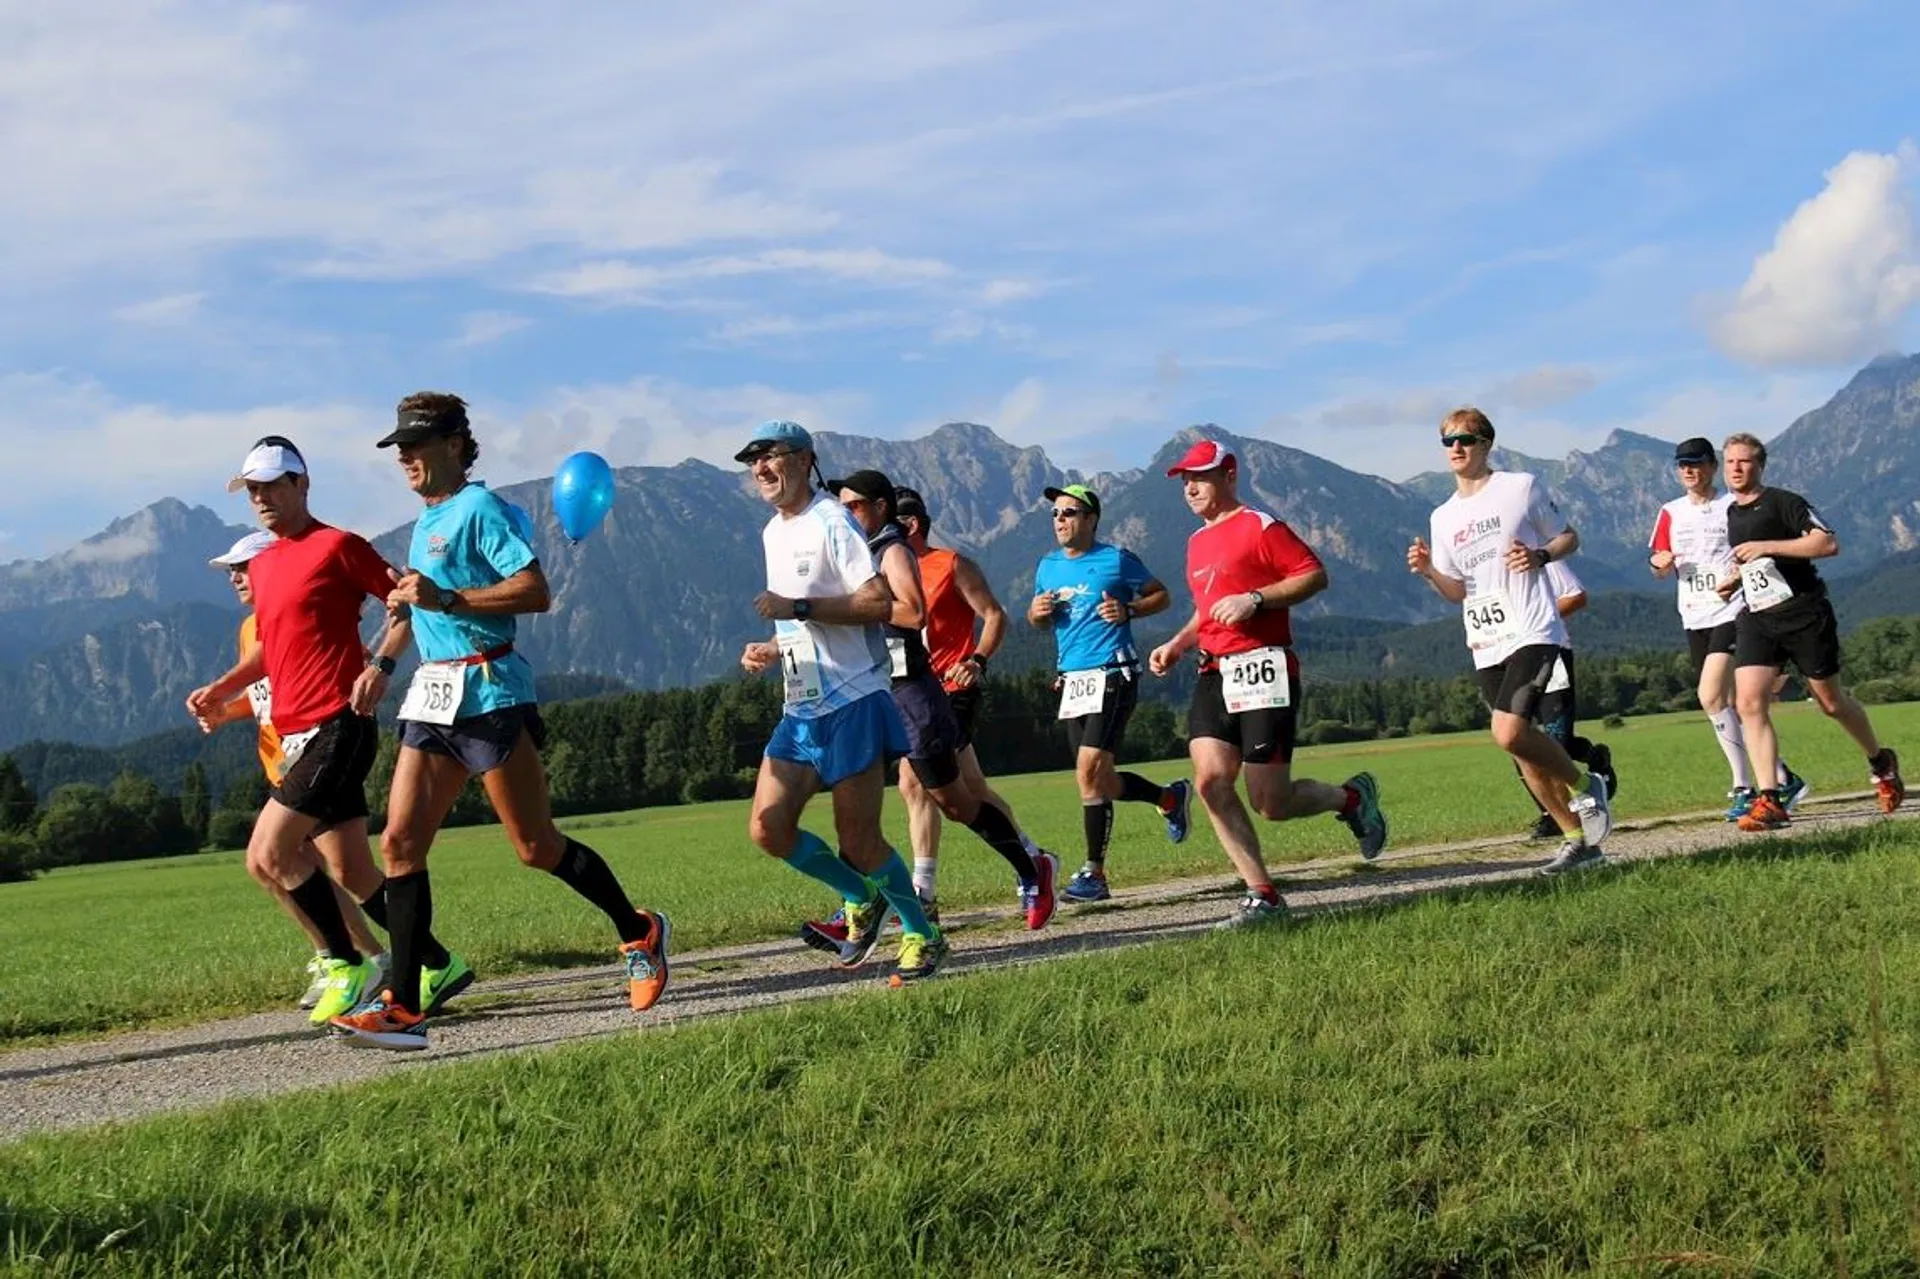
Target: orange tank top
[[272, 759], [949, 617]]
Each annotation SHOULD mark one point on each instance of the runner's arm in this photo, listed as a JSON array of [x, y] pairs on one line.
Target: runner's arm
[[1186, 637], [980, 598], [1289, 591], [206, 701], [1152, 597], [524, 592], [1568, 605], [1814, 544], [871, 603], [909, 607]]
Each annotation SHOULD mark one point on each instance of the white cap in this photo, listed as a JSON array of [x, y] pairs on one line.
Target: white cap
[[267, 462], [243, 550]]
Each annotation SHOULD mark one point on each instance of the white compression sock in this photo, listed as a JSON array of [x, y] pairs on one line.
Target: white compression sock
[[923, 872], [1733, 744]]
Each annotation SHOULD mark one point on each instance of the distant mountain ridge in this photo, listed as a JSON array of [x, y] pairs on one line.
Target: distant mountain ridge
[[101, 642]]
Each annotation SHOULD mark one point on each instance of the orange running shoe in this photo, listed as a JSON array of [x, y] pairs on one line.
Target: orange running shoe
[[1766, 814], [1887, 786], [382, 1023], [646, 964]]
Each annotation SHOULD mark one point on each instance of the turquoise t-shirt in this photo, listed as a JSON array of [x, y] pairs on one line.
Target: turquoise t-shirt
[[1083, 639], [475, 538]]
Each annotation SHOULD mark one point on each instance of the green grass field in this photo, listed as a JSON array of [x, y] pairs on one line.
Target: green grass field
[[186, 939], [1672, 1069]]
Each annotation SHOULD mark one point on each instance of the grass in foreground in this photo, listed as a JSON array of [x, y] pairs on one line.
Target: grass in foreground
[[185, 939], [1672, 1069]]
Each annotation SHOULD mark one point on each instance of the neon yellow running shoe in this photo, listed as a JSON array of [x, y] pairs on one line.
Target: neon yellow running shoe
[[346, 985], [920, 956], [438, 985]]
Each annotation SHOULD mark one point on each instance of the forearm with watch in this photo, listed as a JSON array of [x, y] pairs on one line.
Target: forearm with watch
[[1558, 547], [394, 642]]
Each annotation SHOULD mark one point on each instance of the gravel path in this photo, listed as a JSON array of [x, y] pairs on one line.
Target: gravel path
[[132, 1076]]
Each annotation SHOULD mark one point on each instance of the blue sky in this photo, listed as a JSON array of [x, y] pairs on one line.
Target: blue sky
[[642, 228]]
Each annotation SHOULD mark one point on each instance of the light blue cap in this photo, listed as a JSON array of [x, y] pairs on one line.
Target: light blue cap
[[771, 435]]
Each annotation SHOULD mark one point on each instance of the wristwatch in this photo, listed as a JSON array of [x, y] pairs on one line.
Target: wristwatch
[[978, 659], [802, 610], [385, 665]]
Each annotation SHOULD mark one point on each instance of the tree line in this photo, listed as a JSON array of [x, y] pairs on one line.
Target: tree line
[[689, 745]]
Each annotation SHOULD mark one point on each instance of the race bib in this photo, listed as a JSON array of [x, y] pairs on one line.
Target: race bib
[[1699, 590], [897, 656], [1490, 621], [1255, 681], [434, 696], [1082, 693], [1763, 584], [260, 697], [799, 665], [292, 748]]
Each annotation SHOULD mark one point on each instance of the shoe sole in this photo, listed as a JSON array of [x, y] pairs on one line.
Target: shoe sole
[[665, 926], [391, 1040], [1369, 799], [1585, 863], [1051, 898], [1183, 815], [823, 942]]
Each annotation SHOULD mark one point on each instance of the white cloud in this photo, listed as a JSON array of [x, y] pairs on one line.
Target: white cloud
[[1842, 274], [482, 328], [621, 281], [161, 312], [116, 549]]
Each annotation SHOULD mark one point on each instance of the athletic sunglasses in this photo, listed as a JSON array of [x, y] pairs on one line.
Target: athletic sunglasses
[[1067, 513], [1464, 441]]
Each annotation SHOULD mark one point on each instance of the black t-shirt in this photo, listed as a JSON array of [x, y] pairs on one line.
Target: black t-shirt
[[1778, 516], [899, 637]]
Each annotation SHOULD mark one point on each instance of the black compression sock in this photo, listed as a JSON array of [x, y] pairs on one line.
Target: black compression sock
[[998, 830], [316, 901], [586, 873], [410, 902], [1098, 818], [1135, 789]]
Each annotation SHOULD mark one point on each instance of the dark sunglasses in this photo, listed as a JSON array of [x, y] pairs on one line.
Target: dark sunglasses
[[1068, 512], [1464, 441]]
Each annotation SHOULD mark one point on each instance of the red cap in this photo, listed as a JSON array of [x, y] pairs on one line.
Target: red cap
[[1203, 456]]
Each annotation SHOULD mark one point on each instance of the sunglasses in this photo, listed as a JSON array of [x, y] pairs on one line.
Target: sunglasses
[[1068, 513], [1464, 441]]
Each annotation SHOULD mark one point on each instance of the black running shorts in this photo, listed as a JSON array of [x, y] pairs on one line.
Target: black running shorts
[[1262, 737], [1517, 684], [966, 711], [327, 781], [1556, 710], [933, 734], [1808, 635], [480, 742], [1708, 640], [1103, 729]]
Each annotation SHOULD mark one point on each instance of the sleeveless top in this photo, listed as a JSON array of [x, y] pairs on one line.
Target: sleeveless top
[[905, 649]]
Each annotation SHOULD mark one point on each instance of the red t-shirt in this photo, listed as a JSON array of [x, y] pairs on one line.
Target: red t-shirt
[[1244, 552], [307, 593]]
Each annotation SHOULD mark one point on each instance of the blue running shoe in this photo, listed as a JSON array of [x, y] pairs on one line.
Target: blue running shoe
[[1181, 812], [1793, 790], [1367, 822], [1739, 800], [1089, 884], [863, 931]]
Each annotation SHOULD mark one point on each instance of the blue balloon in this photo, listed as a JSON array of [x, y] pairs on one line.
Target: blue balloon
[[582, 494]]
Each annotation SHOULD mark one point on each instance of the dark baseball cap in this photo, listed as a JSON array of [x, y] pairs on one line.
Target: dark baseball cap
[[907, 502], [1694, 450], [417, 426], [1079, 493], [871, 485]]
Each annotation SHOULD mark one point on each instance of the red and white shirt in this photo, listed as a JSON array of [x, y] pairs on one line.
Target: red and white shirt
[[1244, 552], [307, 594], [1696, 534]]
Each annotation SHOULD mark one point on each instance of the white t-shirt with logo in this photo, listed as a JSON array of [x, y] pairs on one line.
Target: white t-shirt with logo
[[818, 554], [1696, 533], [1504, 611]]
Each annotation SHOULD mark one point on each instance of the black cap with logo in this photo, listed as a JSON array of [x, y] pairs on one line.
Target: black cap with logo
[[1695, 451]]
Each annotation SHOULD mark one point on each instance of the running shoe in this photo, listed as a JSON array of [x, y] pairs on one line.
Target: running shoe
[[1252, 912], [1089, 884], [1888, 786], [1595, 814], [863, 931], [346, 983], [1766, 814], [317, 983], [1179, 816], [1039, 899], [1545, 828], [438, 985], [1600, 760], [1740, 799], [646, 963], [1575, 854], [381, 1023], [1793, 791], [920, 956], [1367, 822], [826, 934]]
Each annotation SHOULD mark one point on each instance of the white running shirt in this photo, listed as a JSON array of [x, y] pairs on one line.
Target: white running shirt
[[1504, 611], [1696, 533], [818, 554]]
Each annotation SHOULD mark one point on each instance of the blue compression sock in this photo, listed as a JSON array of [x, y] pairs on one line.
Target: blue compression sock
[[812, 858], [896, 885]]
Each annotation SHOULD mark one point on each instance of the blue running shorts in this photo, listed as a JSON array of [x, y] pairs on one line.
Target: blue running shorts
[[842, 743]]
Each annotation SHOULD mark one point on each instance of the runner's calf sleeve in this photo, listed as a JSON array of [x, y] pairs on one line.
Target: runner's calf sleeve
[[316, 901], [1001, 835], [378, 907], [375, 908], [1098, 817], [812, 858], [409, 900], [1135, 789], [896, 885], [584, 871]]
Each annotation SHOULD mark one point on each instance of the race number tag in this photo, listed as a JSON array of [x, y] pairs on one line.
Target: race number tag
[[799, 665], [1763, 584], [1082, 693], [1490, 621], [434, 696], [1255, 681], [1699, 590], [260, 697], [897, 656]]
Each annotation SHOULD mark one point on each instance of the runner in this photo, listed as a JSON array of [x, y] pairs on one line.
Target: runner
[[827, 601], [1247, 570], [1491, 540], [308, 588], [1088, 593], [1776, 535], [470, 712], [1689, 544], [255, 706], [1558, 709], [933, 732]]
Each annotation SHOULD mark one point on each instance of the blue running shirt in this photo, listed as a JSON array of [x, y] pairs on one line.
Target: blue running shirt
[[1083, 640], [475, 538]]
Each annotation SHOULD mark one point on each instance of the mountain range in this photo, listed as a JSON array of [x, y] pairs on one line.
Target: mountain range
[[99, 643]]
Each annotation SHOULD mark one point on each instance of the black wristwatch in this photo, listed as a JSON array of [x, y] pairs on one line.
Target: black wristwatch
[[385, 665], [978, 659], [802, 610]]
